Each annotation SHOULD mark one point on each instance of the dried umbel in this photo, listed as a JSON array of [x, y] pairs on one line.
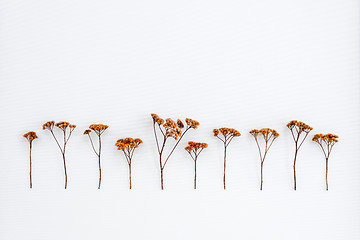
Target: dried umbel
[[128, 146], [98, 129], [168, 128], [269, 136], [67, 130], [226, 135], [299, 132], [326, 142], [194, 149], [30, 137]]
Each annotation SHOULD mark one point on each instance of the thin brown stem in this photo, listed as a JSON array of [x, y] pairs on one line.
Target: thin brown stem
[[224, 179], [195, 175], [30, 165]]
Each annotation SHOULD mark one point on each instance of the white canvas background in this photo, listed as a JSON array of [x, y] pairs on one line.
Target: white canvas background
[[240, 64]]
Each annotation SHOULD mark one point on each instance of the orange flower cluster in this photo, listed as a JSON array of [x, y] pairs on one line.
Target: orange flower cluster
[[129, 143], [64, 125], [157, 119], [97, 128], [226, 132], [327, 138], [30, 136], [303, 127], [195, 146], [267, 133], [180, 123], [192, 123], [49, 125]]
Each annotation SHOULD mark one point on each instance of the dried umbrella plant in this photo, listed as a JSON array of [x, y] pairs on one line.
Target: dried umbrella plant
[[297, 128], [128, 146], [194, 149], [98, 129], [326, 142], [227, 135], [269, 136], [169, 129], [30, 136], [63, 126]]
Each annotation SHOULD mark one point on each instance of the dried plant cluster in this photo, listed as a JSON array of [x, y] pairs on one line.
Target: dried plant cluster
[[268, 135], [226, 135], [299, 132], [194, 149], [166, 129], [98, 129], [169, 129], [67, 130], [30, 137], [128, 146], [326, 142]]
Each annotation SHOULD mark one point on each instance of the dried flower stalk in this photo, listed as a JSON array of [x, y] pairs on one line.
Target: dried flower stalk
[[169, 129], [227, 135], [63, 126], [326, 142], [30, 136], [269, 136], [128, 146], [194, 149], [297, 128], [98, 129]]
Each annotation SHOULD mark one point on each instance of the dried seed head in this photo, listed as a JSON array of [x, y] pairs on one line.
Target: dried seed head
[[327, 138], [302, 127], [157, 119], [49, 125], [98, 128], [195, 146], [180, 123], [87, 131], [227, 132], [192, 123], [30, 136], [128, 143]]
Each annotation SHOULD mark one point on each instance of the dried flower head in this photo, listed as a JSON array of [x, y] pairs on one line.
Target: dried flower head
[[327, 138], [30, 136], [196, 145], [300, 125], [128, 143], [192, 123], [49, 125], [87, 131], [180, 123], [157, 119], [98, 128], [226, 132]]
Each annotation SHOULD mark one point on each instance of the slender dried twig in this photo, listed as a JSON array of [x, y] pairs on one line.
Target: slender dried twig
[[128, 146], [326, 142], [297, 128], [98, 129], [194, 149], [169, 129], [269, 136], [63, 126], [227, 135], [30, 136]]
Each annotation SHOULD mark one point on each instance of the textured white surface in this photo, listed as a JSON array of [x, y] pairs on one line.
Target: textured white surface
[[241, 64]]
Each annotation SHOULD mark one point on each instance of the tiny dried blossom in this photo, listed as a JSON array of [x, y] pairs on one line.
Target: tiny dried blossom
[[98, 128], [192, 123], [327, 138], [197, 145], [64, 125], [267, 133], [30, 136], [157, 119], [226, 132], [303, 127], [180, 123], [87, 131], [130, 143], [49, 125]]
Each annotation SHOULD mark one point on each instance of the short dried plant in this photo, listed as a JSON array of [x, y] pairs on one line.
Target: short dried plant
[[194, 149], [326, 142], [98, 129], [269, 136], [67, 130], [226, 135], [299, 132], [128, 146], [169, 129], [30, 137]]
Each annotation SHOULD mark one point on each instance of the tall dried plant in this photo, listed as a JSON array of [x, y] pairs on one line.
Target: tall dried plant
[[226, 135], [269, 136], [30, 137], [299, 132], [98, 129], [326, 142], [128, 146], [194, 149], [168, 128], [66, 129]]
